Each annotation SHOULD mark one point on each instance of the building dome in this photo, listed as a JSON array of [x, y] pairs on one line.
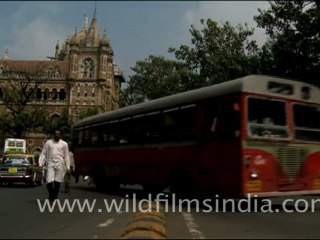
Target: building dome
[[79, 37]]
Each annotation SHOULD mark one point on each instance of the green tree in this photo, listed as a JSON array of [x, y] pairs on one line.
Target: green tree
[[219, 53], [63, 122], [156, 77], [88, 112], [293, 47], [21, 116]]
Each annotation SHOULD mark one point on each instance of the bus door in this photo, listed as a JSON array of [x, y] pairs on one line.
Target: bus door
[[221, 145]]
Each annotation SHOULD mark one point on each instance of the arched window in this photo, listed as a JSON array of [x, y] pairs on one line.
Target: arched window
[[39, 94], [54, 94], [46, 94], [62, 94], [1, 93], [55, 118]]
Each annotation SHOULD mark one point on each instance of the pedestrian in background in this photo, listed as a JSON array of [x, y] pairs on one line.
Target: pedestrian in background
[[67, 177], [55, 158]]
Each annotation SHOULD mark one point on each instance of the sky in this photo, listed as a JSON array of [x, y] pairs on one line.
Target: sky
[[136, 29]]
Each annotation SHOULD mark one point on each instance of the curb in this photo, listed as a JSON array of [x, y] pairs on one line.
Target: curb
[[148, 224]]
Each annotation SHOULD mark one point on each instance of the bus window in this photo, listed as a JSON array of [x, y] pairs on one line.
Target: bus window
[[307, 122], [19, 144], [86, 138], [80, 138], [138, 131], [146, 128], [114, 133], [170, 124], [153, 127], [210, 119], [305, 93], [94, 137], [227, 122], [125, 131], [105, 137], [119, 132], [280, 88], [187, 119], [267, 118], [75, 138], [177, 123]]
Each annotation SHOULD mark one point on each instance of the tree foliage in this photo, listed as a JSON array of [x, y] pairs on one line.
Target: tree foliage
[[219, 53], [63, 123], [88, 112], [156, 77], [21, 116], [293, 48]]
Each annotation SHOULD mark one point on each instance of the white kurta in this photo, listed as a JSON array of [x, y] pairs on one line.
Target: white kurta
[[55, 157]]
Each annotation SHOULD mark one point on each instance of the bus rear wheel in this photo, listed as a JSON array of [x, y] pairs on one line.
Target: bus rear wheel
[[106, 184], [153, 188], [182, 184]]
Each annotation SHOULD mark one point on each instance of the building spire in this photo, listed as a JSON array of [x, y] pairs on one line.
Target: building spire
[[56, 55], [95, 9]]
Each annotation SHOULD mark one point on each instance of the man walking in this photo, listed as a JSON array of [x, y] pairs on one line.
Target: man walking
[[55, 157]]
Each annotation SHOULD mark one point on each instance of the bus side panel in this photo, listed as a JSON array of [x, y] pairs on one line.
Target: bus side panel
[[214, 167], [219, 168], [125, 165]]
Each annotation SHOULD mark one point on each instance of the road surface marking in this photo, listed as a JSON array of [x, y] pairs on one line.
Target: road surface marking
[[106, 223], [192, 226]]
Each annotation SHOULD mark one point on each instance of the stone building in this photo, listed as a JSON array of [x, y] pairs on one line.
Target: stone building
[[81, 75]]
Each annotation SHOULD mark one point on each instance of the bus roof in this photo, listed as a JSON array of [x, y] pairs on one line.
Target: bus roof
[[15, 139], [257, 84]]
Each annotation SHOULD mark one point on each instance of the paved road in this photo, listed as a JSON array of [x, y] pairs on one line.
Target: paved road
[[21, 217], [298, 220]]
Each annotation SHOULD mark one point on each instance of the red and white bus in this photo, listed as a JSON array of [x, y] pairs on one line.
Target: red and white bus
[[257, 135]]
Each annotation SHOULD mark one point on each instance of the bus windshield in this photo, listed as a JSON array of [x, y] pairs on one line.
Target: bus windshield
[[307, 122], [267, 118]]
